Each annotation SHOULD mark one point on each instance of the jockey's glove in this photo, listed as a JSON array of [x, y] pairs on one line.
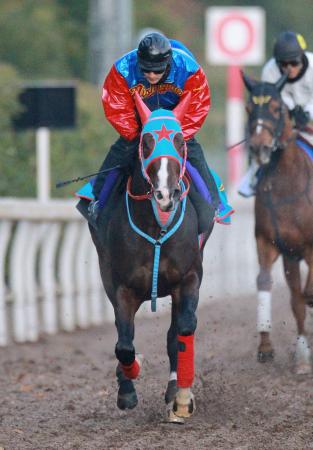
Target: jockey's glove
[[301, 117]]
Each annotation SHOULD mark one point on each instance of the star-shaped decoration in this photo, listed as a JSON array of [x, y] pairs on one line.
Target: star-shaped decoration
[[164, 133]]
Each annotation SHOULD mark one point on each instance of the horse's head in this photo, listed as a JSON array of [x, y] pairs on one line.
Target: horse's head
[[268, 120], [162, 152]]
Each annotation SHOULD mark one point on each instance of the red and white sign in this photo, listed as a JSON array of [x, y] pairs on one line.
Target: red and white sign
[[235, 36]]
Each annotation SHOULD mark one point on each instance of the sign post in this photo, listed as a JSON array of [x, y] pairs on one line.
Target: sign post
[[235, 37], [46, 105], [43, 163]]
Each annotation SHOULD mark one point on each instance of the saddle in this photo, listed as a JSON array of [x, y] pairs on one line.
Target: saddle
[[305, 142]]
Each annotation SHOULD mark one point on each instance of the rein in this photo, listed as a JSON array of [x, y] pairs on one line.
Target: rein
[[146, 196], [276, 129]]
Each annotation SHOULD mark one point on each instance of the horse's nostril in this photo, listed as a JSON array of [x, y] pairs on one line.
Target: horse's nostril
[[169, 206], [159, 195]]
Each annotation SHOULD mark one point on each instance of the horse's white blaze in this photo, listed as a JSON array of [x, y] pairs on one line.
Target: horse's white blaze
[[264, 319], [163, 183], [303, 352], [259, 126]]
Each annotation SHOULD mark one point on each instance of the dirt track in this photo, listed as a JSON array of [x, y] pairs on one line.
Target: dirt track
[[61, 392]]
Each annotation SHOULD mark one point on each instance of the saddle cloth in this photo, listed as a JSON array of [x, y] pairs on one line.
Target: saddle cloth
[[306, 144], [224, 209]]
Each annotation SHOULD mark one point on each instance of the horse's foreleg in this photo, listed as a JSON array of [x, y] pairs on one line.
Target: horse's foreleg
[[187, 302], [128, 368], [172, 354], [303, 353], [267, 254], [308, 290]]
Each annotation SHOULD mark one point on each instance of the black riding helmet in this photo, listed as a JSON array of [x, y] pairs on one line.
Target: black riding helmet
[[154, 53], [289, 46]]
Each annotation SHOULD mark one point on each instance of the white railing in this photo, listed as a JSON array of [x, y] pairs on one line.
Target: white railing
[[49, 274]]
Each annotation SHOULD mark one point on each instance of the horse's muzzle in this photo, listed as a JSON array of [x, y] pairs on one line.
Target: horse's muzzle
[[261, 153], [167, 199]]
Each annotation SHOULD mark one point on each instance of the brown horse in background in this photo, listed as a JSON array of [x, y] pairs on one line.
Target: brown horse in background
[[283, 210]]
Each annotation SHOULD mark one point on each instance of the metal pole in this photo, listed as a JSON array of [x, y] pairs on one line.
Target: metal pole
[[43, 163], [110, 35], [235, 126]]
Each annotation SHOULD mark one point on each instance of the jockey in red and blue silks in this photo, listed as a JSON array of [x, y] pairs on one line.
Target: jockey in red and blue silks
[[163, 72], [182, 75]]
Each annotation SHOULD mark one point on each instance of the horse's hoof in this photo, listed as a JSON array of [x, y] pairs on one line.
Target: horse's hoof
[[184, 410], [127, 401], [171, 416], [171, 391], [126, 397], [264, 357], [303, 369]]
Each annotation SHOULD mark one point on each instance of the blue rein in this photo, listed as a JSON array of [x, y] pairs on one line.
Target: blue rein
[[164, 236]]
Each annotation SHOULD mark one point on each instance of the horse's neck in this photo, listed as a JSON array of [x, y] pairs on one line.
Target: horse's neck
[[287, 133], [287, 173]]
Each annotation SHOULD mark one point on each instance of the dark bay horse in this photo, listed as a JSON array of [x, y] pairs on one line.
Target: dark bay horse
[[149, 247], [283, 210]]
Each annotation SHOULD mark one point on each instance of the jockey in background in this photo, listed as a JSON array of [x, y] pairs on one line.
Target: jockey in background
[[162, 71], [289, 56]]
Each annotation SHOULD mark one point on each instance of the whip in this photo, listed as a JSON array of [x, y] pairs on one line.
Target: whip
[[74, 180]]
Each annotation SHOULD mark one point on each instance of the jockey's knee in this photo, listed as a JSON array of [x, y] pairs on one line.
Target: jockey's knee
[[125, 353]]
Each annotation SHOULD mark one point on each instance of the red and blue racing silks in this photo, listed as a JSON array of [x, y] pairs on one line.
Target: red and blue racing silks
[[126, 77]]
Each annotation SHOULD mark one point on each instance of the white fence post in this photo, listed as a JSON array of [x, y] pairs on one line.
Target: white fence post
[[5, 231]]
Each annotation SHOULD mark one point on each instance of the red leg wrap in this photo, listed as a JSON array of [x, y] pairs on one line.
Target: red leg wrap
[[131, 371], [185, 362]]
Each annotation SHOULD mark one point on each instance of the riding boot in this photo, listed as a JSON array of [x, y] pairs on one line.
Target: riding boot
[[204, 210], [197, 159]]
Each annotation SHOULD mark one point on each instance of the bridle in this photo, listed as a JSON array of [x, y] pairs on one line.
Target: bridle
[[261, 95], [260, 117], [156, 126]]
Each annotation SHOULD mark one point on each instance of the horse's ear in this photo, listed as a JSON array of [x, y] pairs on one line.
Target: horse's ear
[[143, 110], [249, 83], [281, 82], [181, 109]]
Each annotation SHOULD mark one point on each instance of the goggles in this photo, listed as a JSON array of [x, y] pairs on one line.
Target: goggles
[[157, 72], [294, 63]]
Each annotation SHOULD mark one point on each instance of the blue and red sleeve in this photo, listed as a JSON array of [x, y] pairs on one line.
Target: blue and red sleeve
[[118, 105], [197, 84]]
